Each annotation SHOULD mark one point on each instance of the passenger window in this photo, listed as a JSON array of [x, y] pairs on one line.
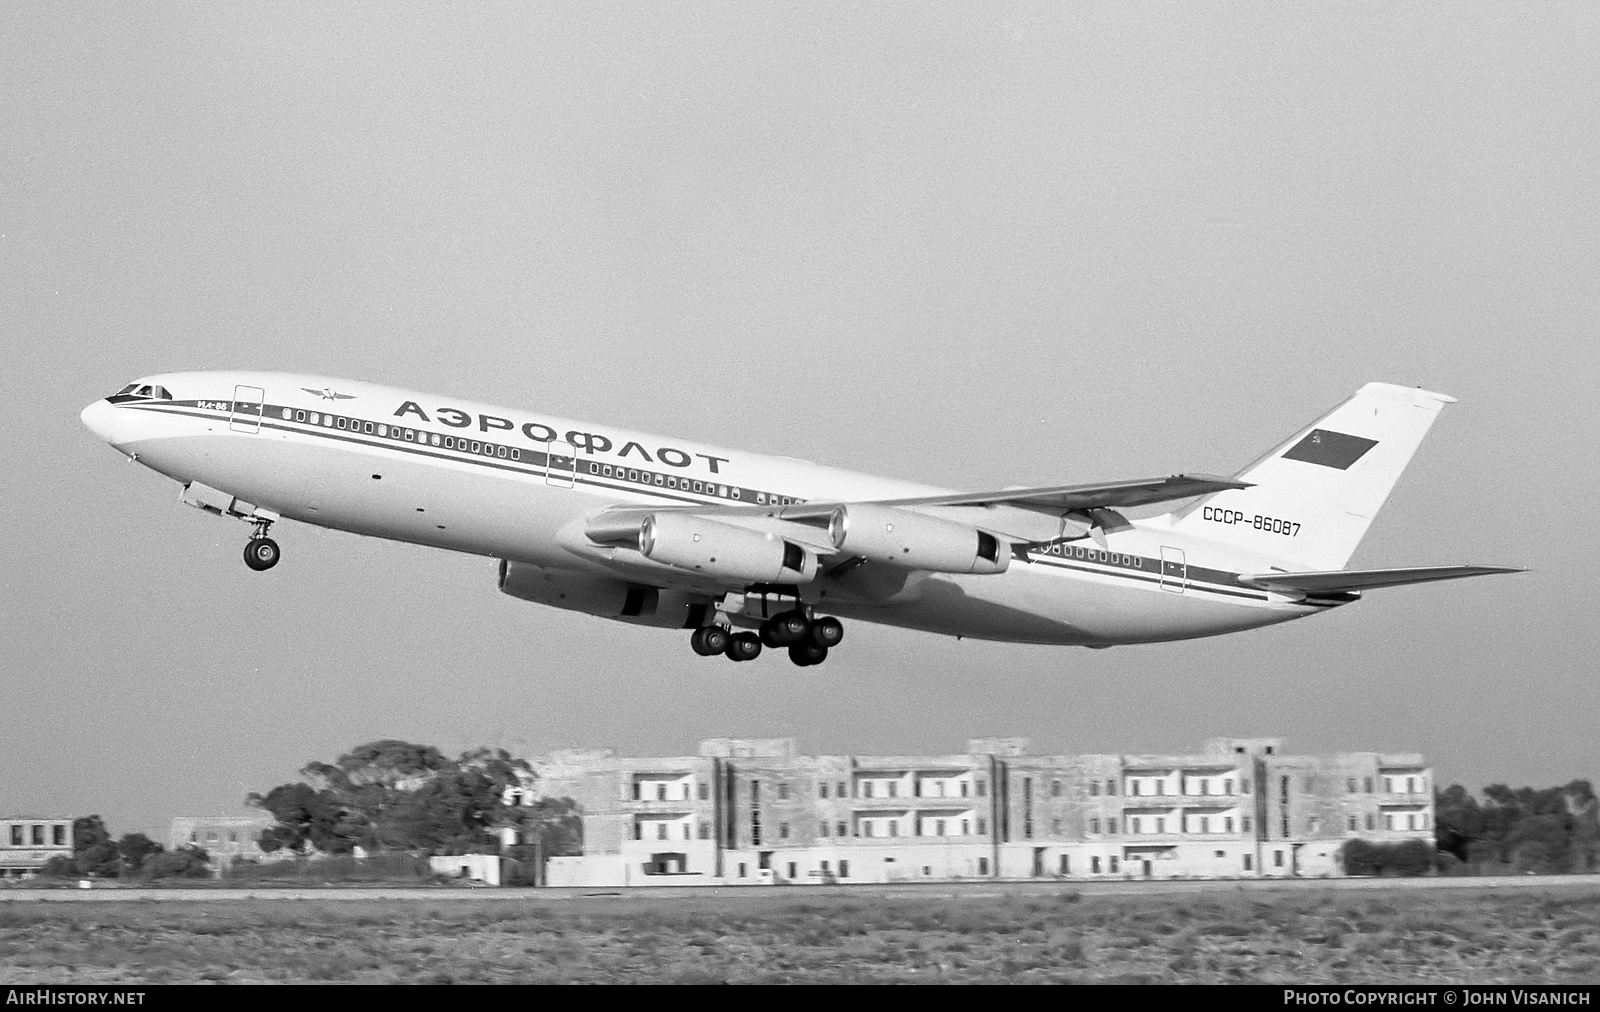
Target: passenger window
[[339, 422], [475, 447], [698, 487], [315, 418], [761, 498], [658, 479], [499, 451], [594, 468], [736, 493], [434, 439], [410, 435], [366, 427], [606, 470], [633, 475], [516, 454]]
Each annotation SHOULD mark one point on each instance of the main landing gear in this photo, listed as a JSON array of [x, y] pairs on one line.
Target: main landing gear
[[808, 639], [261, 552]]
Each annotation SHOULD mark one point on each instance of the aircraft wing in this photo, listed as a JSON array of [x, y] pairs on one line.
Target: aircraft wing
[[1082, 498], [1347, 580]]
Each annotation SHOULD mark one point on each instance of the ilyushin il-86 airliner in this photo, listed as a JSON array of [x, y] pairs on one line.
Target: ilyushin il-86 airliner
[[748, 550]]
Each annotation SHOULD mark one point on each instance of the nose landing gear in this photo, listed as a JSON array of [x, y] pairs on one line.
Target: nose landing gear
[[261, 552]]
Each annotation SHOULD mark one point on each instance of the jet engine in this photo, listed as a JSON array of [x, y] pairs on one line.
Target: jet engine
[[724, 551], [603, 596], [916, 541]]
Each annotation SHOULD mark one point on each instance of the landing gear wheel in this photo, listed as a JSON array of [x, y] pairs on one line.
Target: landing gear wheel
[[806, 654], [744, 646], [261, 553], [785, 629], [827, 632], [708, 641]]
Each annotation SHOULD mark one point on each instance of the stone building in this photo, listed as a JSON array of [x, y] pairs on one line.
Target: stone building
[[758, 811], [26, 843]]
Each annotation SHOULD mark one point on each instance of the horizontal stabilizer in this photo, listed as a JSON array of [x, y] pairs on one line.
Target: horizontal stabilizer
[[1346, 580]]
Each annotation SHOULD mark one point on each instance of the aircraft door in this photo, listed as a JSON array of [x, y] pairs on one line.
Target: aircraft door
[[247, 406], [1174, 570], [560, 464]]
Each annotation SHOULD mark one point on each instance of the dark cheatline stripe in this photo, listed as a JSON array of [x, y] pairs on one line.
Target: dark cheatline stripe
[[1330, 449]]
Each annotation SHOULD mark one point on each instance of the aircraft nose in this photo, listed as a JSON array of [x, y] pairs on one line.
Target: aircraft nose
[[101, 419]]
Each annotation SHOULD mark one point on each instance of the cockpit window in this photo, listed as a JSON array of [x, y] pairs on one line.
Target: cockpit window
[[151, 390]]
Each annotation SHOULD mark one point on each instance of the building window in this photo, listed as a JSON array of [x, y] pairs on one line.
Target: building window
[[637, 790], [866, 788], [1111, 827], [1247, 862], [1161, 824], [1277, 859], [792, 870], [1286, 827], [1227, 787], [841, 829], [983, 788], [1094, 865], [705, 830], [661, 831], [1055, 788], [1094, 825], [963, 788], [661, 792], [638, 831], [1133, 788], [705, 792], [1350, 786], [1366, 785], [1351, 823], [893, 789], [1227, 824], [1066, 865], [1244, 786], [1113, 860], [783, 830], [38, 836], [822, 829], [894, 827], [823, 789], [1111, 787], [783, 792], [1205, 824], [1055, 827], [983, 826], [1094, 788], [741, 869], [1369, 821], [983, 866], [1283, 790], [1244, 823], [58, 835], [844, 869]]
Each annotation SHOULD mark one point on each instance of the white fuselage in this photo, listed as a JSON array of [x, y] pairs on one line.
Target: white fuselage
[[515, 484]]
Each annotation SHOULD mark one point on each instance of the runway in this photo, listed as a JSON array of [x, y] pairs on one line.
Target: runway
[[111, 893]]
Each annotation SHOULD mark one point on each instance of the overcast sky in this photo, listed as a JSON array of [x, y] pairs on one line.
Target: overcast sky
[[966, 244]]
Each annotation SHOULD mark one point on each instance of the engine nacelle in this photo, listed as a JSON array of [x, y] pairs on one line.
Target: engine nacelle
[[724, 551], [916, 541], [603, 596]]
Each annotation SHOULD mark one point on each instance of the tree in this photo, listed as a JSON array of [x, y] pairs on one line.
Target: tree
[[395, 795], [1548, 831], [136, 849], [93, 850], [185, 862]]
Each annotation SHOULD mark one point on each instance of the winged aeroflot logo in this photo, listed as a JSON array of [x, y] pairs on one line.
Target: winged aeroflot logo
[[328, 394]]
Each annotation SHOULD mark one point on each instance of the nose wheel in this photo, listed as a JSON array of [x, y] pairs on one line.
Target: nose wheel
[[261, 553]]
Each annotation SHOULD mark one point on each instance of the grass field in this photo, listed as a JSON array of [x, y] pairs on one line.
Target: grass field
[[1463, 936]]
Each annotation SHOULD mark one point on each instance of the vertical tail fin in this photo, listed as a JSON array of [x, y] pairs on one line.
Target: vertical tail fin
[[1314, 496]]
